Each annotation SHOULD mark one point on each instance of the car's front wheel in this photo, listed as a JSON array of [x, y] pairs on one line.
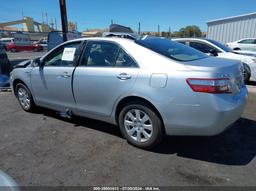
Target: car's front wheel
[[140, 125], [25, 98]]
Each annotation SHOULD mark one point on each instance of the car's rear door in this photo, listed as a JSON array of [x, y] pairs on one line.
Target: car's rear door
[[105, 73], [52, 82]]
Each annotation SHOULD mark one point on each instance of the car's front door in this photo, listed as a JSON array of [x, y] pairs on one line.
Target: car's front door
[[52, 81], [105, 73]]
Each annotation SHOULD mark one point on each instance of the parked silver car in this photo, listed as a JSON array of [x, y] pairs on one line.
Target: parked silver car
[[149, 87]]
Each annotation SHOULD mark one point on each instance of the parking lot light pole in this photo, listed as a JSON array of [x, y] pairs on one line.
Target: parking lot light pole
[[64, 19]]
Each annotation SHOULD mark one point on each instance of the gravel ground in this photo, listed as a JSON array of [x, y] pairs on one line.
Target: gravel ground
[[44, 149]]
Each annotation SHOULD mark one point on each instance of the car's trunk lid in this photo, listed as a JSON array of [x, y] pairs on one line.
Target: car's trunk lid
[[220, 68]]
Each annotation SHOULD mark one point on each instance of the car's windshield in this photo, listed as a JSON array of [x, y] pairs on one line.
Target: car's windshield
[[171, 49], [221, 46]]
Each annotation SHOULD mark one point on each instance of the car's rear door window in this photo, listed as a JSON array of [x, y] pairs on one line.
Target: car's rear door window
[[106, 54], [247, 41], [124, 60], [100, 54]]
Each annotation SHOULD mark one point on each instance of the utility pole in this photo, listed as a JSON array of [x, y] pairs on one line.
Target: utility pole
[[64, 19], [56, 27], [52, 24], [46, 17], [170, 33], [42, 17], [139, 30]]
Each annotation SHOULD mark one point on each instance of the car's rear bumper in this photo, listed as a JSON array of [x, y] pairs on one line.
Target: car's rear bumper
[[211, 117]]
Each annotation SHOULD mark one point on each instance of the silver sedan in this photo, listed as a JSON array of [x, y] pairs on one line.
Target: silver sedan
[[149, 87]]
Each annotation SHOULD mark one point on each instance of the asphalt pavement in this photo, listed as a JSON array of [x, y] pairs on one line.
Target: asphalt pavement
[[43, 149]]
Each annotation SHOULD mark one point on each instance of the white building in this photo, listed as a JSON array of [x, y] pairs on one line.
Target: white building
[[232, 28]]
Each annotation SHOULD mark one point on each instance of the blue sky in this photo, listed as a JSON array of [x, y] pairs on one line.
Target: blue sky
[[98, 13]]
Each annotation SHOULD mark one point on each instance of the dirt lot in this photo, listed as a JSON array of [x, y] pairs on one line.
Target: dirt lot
[[44, 149]]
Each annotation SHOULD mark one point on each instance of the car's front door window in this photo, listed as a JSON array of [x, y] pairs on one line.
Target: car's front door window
[[56, 57]]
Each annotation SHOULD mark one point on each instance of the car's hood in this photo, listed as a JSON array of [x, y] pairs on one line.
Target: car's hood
[[23, 64]]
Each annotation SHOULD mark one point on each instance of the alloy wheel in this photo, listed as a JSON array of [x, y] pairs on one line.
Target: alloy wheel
[[24, 98], [138, 125]]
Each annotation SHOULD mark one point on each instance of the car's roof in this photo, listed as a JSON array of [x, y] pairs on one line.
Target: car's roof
[[245, 39], [112, 39], [118, 40]]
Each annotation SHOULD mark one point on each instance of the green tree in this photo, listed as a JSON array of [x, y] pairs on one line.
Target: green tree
[[164, 34], [190, 31], [175, 34]]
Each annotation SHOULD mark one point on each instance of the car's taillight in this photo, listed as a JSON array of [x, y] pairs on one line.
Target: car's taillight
[[210, 85]]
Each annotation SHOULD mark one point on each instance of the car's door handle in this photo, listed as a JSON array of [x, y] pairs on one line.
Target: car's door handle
[[65, 75], [124, 76]]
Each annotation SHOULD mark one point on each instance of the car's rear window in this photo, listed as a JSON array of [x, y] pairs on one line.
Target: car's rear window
[[172, 50]]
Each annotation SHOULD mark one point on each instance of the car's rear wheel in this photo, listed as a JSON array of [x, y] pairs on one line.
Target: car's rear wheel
[[247, 78], [140, 125], [25, 98], [247, 73]]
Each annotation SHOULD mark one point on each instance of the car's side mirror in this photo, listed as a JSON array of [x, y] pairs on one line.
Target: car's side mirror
[[213, 52], [38, 62]]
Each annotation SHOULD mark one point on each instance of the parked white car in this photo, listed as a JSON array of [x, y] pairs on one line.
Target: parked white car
[[243, 44], [217, 49]]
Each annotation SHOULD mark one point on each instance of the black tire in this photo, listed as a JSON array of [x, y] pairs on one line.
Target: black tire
[[157, 133], [32, 107], [237, 49], [247, 78], [13, 50], [247, 73]]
